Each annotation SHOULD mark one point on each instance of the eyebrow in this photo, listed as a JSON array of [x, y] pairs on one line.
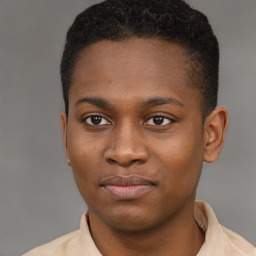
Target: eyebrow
[[161, 101], [156, 101], [99, 102]]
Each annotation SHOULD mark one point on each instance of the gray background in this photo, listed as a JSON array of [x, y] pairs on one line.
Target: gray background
[[38, 197]]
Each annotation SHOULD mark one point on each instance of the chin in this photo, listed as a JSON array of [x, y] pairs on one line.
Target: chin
[[130, 225], [129, 219]]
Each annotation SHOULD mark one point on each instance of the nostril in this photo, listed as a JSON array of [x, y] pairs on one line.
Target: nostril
[[137, 161], [126, 162], [111, 161]]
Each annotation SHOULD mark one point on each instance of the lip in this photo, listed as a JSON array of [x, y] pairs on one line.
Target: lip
[[128, 187]]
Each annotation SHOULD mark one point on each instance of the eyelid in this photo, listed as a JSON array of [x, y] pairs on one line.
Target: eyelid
[[171, 119], [88, 115]]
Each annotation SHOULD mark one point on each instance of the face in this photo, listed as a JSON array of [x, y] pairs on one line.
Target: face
[[134, 134]]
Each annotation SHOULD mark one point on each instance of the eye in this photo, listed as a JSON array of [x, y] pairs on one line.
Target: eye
[[159, 120], [96, 120]]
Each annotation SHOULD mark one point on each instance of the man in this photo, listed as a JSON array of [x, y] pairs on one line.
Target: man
[[140, 83]]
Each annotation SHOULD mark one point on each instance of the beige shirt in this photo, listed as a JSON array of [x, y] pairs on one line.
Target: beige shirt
[[219, 241]]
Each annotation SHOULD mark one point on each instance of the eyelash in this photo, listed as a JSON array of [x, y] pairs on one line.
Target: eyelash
[[96, 116], [170, 121]]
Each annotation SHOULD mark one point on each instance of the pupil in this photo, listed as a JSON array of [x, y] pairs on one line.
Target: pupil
[[158, 120], [96, 119]]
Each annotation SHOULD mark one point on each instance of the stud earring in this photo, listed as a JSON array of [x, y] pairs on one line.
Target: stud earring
[[69, 163]]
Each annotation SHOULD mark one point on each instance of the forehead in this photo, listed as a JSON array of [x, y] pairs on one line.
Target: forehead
[[149, 67], [133, 54]]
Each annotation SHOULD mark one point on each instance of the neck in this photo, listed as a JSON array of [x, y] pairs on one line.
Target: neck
[[181, 236]]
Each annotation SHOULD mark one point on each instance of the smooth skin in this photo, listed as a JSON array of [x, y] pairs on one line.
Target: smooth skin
[[134, 111]]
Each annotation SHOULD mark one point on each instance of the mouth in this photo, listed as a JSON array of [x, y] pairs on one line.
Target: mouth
[[127, 188]]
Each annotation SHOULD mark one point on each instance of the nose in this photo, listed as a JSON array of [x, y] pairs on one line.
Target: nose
[[127, 147]]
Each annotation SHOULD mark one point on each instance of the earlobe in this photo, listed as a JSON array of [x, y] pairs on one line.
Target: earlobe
[[64, 131], [215, 128]]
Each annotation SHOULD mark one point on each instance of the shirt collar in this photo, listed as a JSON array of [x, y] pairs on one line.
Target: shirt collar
[[204, 216], [206, 219]]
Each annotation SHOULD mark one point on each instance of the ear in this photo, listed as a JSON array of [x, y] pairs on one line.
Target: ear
[[64, 131], [215, 128]]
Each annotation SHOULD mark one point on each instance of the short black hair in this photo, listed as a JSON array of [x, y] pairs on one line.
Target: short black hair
[[169, 20]]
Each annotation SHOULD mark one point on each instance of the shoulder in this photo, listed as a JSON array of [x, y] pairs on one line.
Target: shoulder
[[218, 239], [236, 245], [64, 245]]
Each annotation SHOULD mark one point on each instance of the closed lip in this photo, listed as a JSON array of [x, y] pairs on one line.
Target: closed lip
[[127, 187], [126, 181]]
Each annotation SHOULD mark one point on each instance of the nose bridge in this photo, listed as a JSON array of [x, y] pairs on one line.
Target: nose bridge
[[127, 144], [125, 134]]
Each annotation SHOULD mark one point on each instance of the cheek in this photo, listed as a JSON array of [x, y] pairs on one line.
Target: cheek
[[181, 159], [84, 156], [82, 149]]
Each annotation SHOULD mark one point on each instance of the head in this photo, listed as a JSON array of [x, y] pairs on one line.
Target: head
[[140, 81], [172, 21]]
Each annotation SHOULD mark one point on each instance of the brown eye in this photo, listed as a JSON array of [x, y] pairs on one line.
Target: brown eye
[[96, 120], [159, 120]]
